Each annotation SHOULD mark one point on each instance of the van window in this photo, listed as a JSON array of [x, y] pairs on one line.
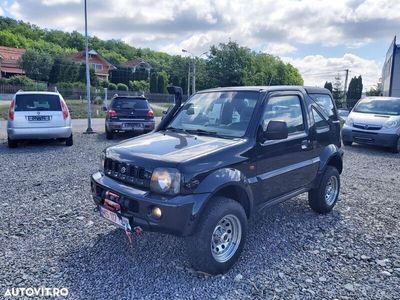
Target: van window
[[325, 102], [35, 102]]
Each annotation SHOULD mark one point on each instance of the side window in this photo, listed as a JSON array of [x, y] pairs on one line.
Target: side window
[[319, 120], [325, 102], [286, 109]]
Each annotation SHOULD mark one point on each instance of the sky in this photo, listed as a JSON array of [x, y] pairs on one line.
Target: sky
[[320, 38]]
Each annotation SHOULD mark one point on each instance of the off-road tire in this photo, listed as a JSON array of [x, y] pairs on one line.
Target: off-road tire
[[347, 143], [198, 245], [316, 197]]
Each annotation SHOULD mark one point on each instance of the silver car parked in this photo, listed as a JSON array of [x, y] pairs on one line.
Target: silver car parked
[[38, 115], [374, 121]]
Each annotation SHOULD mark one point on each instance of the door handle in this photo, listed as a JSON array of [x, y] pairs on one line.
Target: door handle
[[305, 144]]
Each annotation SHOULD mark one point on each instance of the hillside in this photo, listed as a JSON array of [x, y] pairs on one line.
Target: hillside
[[244, 67]]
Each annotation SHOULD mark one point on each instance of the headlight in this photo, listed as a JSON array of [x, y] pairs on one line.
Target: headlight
[[391, 124], [349, 121], [102, 160], [166, 181]]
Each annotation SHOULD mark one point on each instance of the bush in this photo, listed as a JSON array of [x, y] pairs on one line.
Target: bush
[[21, 80], [139, 86], [3, 80], [122, 87], [112, 86]]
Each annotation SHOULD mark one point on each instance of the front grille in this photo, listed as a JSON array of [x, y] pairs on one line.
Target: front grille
[[129, 173], [367, 127]]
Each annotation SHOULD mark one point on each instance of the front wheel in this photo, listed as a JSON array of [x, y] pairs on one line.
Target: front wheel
[[347, 143], [324, 198], [396, 148], [219, 236]]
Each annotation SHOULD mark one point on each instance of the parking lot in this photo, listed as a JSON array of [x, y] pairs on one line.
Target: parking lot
[[51, 237]]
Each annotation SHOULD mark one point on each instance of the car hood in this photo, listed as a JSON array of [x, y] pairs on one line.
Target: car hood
[[170, 147], [371, 119]]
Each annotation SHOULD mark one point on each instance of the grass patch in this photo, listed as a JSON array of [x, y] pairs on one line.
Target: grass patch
[[78, 109]]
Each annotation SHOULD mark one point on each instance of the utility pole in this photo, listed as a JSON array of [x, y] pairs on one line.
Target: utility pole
[[194, 76], [345, 88], [188, 81], [89, 129]]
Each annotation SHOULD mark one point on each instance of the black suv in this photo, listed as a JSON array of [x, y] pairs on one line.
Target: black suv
[[129, 114], [216, 159]]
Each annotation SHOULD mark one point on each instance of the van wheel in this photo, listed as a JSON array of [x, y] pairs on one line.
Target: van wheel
[[396, 148], [109, 134], [69, 141], [219, 236], [324, 198], [12, 143], [347, 143]]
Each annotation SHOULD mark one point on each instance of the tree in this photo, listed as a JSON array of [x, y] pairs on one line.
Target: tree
[[374, 91], [227, 63], [153, 83], [328, 86], [354, 91], [337, 91], [160, 84], [37, 65]]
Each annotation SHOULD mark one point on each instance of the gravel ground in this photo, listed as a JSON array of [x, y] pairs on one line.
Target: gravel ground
[[50, 237]]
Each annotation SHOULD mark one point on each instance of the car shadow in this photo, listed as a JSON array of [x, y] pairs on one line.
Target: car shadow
[[274, 235], [32, 146]]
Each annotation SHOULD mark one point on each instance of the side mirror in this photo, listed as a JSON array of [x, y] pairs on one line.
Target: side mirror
[[276, 130], [104, 108]]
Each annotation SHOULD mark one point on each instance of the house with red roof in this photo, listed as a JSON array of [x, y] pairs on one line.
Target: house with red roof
[[100, 65], [9, 58]]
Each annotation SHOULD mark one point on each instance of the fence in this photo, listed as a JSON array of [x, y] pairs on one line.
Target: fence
[[8, 90]]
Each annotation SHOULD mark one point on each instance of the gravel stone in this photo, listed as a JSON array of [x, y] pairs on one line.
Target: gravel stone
[[50, 236]]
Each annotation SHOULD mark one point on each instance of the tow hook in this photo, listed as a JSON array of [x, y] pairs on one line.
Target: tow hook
[[137, 230]]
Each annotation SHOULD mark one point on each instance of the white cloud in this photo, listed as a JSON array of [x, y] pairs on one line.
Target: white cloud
[[280, 49], [1, 12], [316, 69]]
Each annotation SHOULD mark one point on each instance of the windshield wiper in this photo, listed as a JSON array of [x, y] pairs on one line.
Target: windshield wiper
[[176, 129]]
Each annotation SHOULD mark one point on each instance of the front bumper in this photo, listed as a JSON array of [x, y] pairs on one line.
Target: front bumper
[[179, 213], [39, 133], [370, 137], [147, 126]]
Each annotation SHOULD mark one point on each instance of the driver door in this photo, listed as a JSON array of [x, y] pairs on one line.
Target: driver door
[[284, 166]]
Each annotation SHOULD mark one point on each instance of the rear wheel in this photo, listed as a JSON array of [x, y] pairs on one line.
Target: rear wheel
[[396, 148], [12, 143], [219, 236], [324, 198], [109, 134], [69, 141]]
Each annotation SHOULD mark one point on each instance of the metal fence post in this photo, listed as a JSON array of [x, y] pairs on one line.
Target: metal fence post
[[105, 97]]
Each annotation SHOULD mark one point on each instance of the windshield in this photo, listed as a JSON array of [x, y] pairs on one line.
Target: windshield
[[129, 103], [216, 113], [34, 102], [379, 106]]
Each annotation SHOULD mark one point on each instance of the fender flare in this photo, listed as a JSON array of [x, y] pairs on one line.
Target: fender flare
[[223, 180]]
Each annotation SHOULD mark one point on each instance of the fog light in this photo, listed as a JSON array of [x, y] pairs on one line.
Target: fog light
[[156, 212]]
